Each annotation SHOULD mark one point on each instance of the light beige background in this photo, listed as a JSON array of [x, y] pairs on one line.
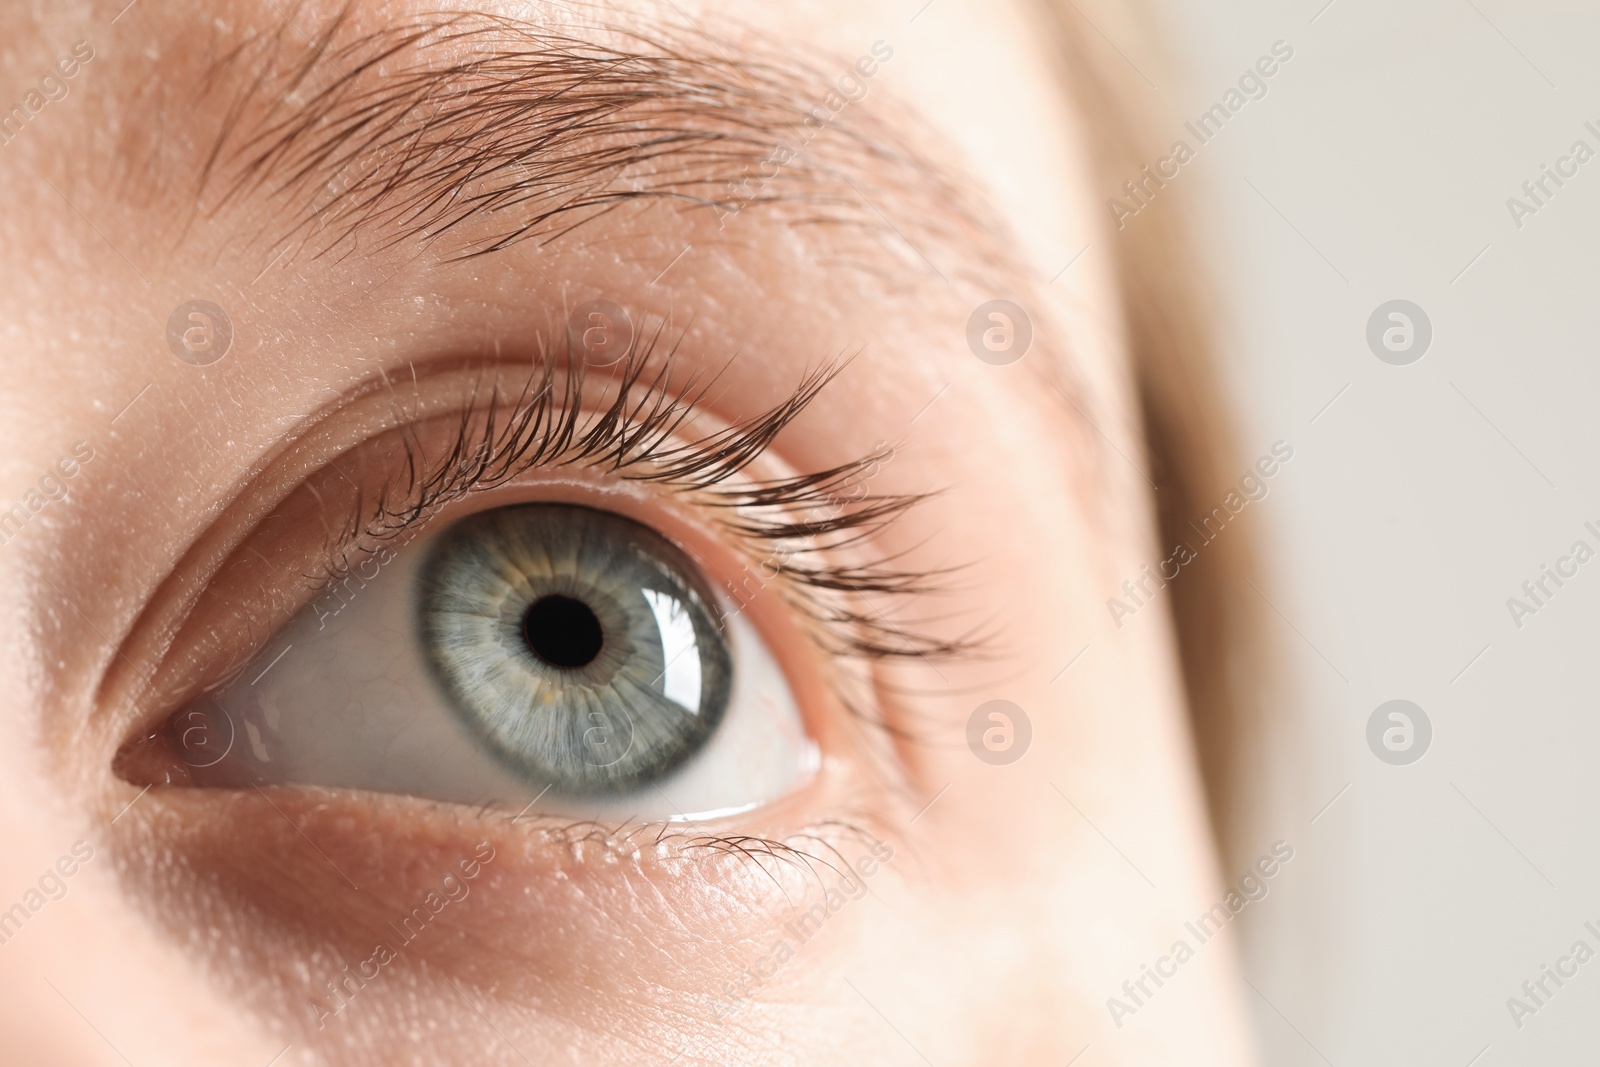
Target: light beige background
[[1378, 167]]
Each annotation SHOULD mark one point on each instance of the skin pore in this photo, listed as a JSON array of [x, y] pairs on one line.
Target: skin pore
[[365, 284]]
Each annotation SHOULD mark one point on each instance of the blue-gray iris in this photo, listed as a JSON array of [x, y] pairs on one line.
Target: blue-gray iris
[[578, 644]]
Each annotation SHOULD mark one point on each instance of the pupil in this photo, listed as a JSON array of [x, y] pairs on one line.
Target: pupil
[[562, 631]]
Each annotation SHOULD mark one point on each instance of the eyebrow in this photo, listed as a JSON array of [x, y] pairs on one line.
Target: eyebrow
[[491, 131]]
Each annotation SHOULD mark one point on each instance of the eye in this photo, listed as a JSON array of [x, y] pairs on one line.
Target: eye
[[554, 657], [575, 643], [599, 653]]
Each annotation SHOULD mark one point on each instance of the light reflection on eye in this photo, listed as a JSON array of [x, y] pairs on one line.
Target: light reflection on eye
[[535, 651], [678, 647]]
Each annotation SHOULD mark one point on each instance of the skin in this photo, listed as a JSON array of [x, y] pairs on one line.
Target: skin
[[1019, 897]]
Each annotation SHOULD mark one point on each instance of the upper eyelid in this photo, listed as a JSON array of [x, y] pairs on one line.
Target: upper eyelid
[[361, 415]]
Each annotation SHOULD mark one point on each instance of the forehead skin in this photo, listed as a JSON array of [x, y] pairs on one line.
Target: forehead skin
[[1016, 922]]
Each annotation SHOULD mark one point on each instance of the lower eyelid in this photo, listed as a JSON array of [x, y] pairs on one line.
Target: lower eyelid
[[339, 856], [281, 894]]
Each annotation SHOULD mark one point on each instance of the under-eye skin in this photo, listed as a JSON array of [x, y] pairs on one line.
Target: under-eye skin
[[575, 643]]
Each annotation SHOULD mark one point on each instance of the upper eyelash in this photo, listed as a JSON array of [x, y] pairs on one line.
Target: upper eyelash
[[544, 425]]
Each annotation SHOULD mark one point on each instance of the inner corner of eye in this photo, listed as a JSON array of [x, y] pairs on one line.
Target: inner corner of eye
[[537, 654]]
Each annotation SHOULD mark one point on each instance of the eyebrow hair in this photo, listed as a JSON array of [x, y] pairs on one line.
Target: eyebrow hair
[[493, 131]]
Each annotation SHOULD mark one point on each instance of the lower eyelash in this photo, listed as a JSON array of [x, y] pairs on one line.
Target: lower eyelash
[[790, 528], [813, 850]]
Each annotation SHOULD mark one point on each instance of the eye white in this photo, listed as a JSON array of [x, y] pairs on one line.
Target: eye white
[[342, 697]]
